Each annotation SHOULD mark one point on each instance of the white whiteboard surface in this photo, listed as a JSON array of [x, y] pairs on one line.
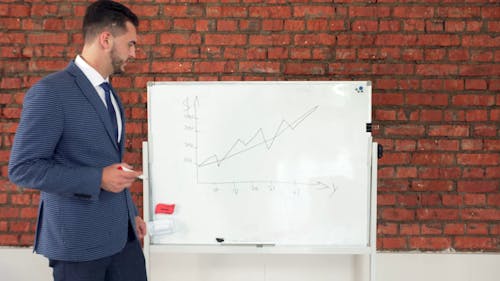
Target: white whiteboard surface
[[285, 163]]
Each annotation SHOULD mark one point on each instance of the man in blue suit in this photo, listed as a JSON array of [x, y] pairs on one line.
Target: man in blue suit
[[70, 144]]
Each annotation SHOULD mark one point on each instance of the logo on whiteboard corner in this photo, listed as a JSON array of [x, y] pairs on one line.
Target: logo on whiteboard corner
[[360, 90]]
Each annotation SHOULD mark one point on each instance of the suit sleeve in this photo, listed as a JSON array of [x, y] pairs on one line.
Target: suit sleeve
[[32, 163]]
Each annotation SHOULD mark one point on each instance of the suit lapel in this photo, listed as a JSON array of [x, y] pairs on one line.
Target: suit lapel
[[122, 115], [90, 93]]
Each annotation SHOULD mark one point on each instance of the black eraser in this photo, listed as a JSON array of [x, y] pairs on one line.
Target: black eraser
[[220, 240]]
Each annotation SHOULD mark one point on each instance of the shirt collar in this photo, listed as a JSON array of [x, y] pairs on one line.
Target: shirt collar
[[94, 77]]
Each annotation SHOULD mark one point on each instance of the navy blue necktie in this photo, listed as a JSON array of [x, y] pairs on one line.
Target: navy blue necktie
[[111, 108]]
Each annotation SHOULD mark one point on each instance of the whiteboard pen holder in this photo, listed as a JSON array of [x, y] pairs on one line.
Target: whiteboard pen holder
[[161, 227]]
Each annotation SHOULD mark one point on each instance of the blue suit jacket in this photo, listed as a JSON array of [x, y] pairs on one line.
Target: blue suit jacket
[[63, 141]]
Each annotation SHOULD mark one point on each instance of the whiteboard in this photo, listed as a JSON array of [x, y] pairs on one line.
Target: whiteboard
[[282, 163]]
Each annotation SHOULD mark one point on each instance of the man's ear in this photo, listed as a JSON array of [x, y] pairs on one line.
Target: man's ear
[[106, 40]]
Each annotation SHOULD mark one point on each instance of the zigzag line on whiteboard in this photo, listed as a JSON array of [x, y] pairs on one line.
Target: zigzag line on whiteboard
[[268, 142]]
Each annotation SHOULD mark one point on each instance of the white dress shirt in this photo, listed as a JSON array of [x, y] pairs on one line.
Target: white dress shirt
[[96, 79]]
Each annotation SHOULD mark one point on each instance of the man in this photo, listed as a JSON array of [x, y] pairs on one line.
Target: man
[[69, 145]]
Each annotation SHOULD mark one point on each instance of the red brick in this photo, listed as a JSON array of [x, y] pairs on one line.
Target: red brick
[[300, 53], [393, 69], [272, 25], [458, 55], [471, 144], [474, 199], [411, 229], [171, 67], [389, 25], [493, 200], [364, 25], [470, 172], [294, 25], [14, 10], [387, 228], [478, 159], [452, 200], [455, 25], [8, 212], [370, 11], [272, 39], [395, 40], [397, 214], [479, 70], [313, 11], [314, 39], [438, 145], [183, 11], [412, 25], [405, 145], [277, 53], [434, 55], [454, 229], [9, 239], [436, 69], [184, 24], [432, 159], [394, 243], [449, 130], [394, 158], [355, 40], [349, 69], [337, 25], [345, 54], [473, 99], [19, 226], [474, 243], [283, 12], [408, 200], [20, 199], [476, 115], [180, 39], [478, 186], [48, 38], [430, 200], [484, 130], [431, 229], [413, 12], [432, 185], [458, 12], [438, 40], [430, 243], [493, 172], [393, 185], [305, 68], [259, 67]]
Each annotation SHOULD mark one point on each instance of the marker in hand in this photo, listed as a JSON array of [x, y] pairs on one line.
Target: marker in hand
[[125, 169]]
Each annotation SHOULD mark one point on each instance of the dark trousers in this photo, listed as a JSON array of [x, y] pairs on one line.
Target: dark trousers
[[127, 265]]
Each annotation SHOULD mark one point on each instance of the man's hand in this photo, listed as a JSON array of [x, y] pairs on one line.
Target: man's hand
[[142, 229], [115, 179]]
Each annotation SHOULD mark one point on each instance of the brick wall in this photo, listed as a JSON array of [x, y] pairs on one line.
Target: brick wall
[[435, 67]]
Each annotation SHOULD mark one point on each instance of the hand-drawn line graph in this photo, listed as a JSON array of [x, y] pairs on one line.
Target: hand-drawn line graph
[[241, 146]]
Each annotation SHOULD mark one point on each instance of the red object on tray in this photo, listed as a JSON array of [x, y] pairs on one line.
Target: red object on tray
[[164, 209]]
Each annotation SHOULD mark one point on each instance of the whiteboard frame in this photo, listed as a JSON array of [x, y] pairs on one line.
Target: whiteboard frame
[[362, 251]]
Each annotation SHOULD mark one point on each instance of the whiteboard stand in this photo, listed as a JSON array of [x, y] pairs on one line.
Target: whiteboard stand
[[363, 255], [146, 201]]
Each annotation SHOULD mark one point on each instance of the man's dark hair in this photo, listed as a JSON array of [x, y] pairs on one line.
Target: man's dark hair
[[106, 14]]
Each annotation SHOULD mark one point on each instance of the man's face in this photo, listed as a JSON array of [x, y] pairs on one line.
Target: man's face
[[123, 48]]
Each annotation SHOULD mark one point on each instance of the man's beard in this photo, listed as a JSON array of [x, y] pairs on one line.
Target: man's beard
[[117, 63]]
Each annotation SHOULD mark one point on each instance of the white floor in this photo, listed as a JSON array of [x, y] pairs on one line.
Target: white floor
[[20, 264]]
